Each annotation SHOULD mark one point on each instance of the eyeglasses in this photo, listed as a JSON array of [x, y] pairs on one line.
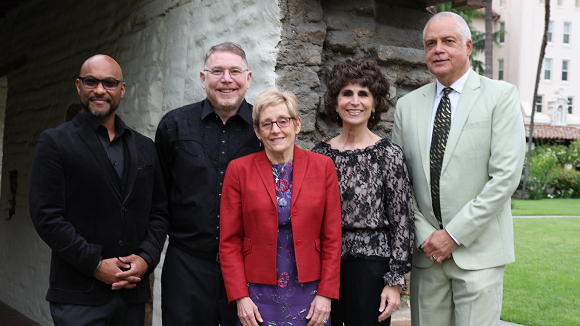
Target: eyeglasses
[[218, 73], [282, 123], [109, 84]]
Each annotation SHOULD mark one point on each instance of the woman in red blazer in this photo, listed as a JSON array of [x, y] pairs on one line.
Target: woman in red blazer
[[280, 224]]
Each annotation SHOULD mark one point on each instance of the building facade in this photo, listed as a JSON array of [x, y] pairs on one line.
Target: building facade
[[515, 60]]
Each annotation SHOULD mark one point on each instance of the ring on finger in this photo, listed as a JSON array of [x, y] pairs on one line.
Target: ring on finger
[[324, 320], [434, 258]]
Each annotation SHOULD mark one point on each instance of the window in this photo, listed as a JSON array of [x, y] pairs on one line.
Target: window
[[565, 70], [570, 104], [502, 32], [502, 2], [550, 28], [560, 3], [539, 100], [547, 69], [577, 3], [541, 2], [566, 33], [500, 69]]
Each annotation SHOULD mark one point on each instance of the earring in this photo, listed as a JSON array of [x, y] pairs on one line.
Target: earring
[[337, 118], [373, 116]]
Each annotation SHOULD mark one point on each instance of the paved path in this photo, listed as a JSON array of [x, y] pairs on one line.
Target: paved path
[[546, 216], [402, 317]]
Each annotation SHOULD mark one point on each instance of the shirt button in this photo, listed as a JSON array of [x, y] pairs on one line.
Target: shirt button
[[223, 153], [217, 238], [222, 172], [298, 242], [120, 243], [294, 212], [218, 215], [115, 163], [218, 226], [124, 209], [221, 184], [220, 195], [223, 131], [223, 141]]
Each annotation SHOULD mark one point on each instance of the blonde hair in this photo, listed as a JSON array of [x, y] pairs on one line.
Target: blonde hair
[[274, 96]]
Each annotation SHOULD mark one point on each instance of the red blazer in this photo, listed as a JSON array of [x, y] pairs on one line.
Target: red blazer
[[249, 223]]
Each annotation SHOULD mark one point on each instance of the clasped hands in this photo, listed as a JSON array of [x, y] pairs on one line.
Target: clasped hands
[[439, 246], [122, 272]]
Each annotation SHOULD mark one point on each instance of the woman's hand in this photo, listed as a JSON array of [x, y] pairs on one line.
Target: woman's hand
[[319, 311], [392, 296], [248, 312]]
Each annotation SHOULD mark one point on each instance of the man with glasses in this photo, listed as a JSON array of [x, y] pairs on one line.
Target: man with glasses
[[97, 198], [196, 144]]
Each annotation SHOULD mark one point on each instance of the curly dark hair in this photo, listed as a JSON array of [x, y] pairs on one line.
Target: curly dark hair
[[357, 71]]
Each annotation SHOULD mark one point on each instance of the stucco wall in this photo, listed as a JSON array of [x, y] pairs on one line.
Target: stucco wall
[[160, 46]]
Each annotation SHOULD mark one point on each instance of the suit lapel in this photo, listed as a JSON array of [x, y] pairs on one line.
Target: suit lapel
[[467, 100], [92, 142], [133, 164], [425, 109], [265, 170], [298, 173]]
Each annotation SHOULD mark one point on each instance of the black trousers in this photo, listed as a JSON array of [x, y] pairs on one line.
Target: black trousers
[[193, 292], [114, 313], [361, 285]]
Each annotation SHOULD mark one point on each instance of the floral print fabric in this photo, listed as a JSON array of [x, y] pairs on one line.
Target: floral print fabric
[[377, 207], [286, 303]]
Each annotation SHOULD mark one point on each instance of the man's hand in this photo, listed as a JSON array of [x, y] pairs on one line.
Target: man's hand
[[390, 300], [108, 270], [137, 267], [439, 246]]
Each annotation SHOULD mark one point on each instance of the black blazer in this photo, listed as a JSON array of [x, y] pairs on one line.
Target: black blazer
[[78, 209]]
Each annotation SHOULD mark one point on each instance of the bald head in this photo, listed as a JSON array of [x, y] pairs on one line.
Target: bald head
[[102, 63], [102, 100]]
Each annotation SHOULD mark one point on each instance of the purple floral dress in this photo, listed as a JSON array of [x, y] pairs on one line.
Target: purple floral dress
[[286, 303]]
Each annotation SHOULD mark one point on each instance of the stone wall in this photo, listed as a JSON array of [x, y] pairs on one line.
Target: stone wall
[[318, 34]]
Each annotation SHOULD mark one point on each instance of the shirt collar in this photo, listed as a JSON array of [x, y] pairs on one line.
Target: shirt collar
[[244, 112], [457, 86], [120, 126]]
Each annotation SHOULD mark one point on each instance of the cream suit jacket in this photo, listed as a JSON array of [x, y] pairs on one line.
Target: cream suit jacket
[[481, 169]]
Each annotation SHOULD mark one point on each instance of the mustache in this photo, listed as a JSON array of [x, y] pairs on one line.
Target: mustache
[[99, 97]]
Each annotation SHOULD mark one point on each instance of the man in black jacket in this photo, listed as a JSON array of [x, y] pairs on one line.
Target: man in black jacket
[[196, 143], [97, 198]]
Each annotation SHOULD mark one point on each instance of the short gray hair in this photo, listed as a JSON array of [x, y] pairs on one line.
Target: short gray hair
[[461, 26], [226, 47]]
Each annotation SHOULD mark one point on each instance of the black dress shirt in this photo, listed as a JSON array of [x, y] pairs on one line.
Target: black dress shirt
[[195, 148], [115, 149]]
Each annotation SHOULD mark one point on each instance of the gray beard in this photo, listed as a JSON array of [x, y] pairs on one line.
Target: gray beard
[[96, 114]]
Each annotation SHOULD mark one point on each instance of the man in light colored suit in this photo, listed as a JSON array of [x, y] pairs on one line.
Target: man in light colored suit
[[464, 142]]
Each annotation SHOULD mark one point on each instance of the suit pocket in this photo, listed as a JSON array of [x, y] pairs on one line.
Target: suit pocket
[[318, 246], [247, 246]]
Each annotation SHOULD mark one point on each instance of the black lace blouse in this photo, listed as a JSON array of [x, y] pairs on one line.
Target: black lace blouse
[[377, 208]]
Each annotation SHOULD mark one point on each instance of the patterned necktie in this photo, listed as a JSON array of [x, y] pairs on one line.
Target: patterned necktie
[[441, 128]]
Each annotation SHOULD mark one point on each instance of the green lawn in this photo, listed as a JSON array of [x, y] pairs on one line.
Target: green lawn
[[546, 207], [542, 288]]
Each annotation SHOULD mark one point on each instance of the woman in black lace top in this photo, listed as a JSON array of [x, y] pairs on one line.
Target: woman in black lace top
[[377, 209]]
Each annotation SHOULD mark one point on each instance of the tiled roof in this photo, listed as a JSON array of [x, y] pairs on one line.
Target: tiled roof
[[554, 132]]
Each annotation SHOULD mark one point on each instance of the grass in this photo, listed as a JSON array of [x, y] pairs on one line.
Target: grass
[[564, 207], [542, 287]]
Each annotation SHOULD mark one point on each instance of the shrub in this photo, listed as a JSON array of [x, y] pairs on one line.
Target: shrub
[[566, 184]]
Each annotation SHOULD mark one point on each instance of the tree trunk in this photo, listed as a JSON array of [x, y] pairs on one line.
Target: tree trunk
[[538, 74], [488, 39]]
